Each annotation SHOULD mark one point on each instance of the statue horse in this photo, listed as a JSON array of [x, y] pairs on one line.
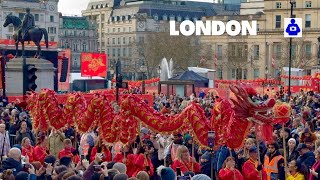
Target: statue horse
[[34, 34]]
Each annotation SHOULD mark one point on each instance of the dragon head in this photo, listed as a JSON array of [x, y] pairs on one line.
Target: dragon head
[[246, 107]]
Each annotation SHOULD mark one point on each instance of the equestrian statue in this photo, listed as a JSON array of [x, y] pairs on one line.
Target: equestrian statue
[[26, 31]]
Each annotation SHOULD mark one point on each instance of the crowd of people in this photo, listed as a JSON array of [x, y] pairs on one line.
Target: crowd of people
[[66, 154]]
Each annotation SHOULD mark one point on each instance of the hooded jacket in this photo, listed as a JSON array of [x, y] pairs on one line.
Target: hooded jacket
[[13, 164]]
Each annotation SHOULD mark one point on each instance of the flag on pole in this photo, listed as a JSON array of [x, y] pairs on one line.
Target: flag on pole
[[273, 62], [215, 60]]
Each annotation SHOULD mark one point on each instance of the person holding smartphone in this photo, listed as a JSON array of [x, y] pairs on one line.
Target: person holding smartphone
[[142, 161], [184, 161]]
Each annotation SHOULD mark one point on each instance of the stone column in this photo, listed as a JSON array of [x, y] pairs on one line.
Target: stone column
[[269, 60]]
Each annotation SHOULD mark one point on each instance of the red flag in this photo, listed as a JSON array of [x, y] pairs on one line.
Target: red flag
[[93, 64], [273, 62], [215, 60]]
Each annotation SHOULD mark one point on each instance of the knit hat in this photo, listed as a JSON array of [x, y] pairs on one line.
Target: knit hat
[[201, 177], [120, 177], [187, 137], [65, 161], [293, 140], [166, 173], [50, 159], [17, 146], [122, 168]]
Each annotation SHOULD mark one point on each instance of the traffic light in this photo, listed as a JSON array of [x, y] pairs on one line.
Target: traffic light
[[119, 81], [30, 77], [64, 69]]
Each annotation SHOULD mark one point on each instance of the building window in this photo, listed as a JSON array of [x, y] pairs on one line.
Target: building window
[[258, 28], [118, 29], [278, 5], [233, 50], [219, 52], [124, 29], [308, 4], [165, 17], [124, 40], [119, 52], [51, 38], [256, 52], [233, 73], [124, 52], [84, 47], [277, 50], [108, 52], [256, 73], [113, 30], [308, 21], [119, 40], [130, 52], [108, 41], [36, 17], [141, 39], [42, 18], [308, 51], [113, 52], [129, 40], [157, 29], [220, 74], [129, 29], [278, 21], [9, 37], [245, 73], [102, 17], [51, 18], [113, 40]]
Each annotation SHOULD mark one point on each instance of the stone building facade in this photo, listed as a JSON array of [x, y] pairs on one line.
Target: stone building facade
[[265, 55], [121, 23], [78, 34]]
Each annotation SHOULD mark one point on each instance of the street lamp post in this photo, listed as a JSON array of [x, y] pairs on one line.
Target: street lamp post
[[143, 69], [111, 75], [118, 76], [292, 2]]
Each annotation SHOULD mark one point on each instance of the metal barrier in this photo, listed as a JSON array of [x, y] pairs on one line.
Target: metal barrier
[[12, 139]]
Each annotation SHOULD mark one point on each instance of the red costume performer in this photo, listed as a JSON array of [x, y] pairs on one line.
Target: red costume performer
[[250, 172], [141, 162], [228, 174], [28, 151], [68, 153], [39, 154], [186, 166]]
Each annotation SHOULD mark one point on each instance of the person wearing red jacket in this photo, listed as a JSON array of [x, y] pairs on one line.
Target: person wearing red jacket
[[101, 148], [229, 171], [40, 151], [68, 151], [251, 169], [27, 149], [142, 161], [184, 161]]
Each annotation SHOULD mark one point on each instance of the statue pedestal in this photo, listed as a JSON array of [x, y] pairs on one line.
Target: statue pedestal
[[14, 75]]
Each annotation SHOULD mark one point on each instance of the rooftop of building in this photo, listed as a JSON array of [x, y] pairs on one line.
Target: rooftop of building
[[75, 22]]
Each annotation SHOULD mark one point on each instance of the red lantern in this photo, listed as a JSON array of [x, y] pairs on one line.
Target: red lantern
[[281, 112]]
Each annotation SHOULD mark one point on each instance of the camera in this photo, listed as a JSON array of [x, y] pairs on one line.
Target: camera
[[97, 168], [293, 28]]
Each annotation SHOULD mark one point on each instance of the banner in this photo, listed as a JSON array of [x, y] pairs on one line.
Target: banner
[[93, 64], [64, 86], [42, 43]]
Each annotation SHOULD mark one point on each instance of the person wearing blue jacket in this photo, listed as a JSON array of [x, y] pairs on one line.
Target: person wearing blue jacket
[[220, 156]]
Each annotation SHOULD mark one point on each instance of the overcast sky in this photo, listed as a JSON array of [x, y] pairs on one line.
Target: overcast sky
[[74, 7]]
